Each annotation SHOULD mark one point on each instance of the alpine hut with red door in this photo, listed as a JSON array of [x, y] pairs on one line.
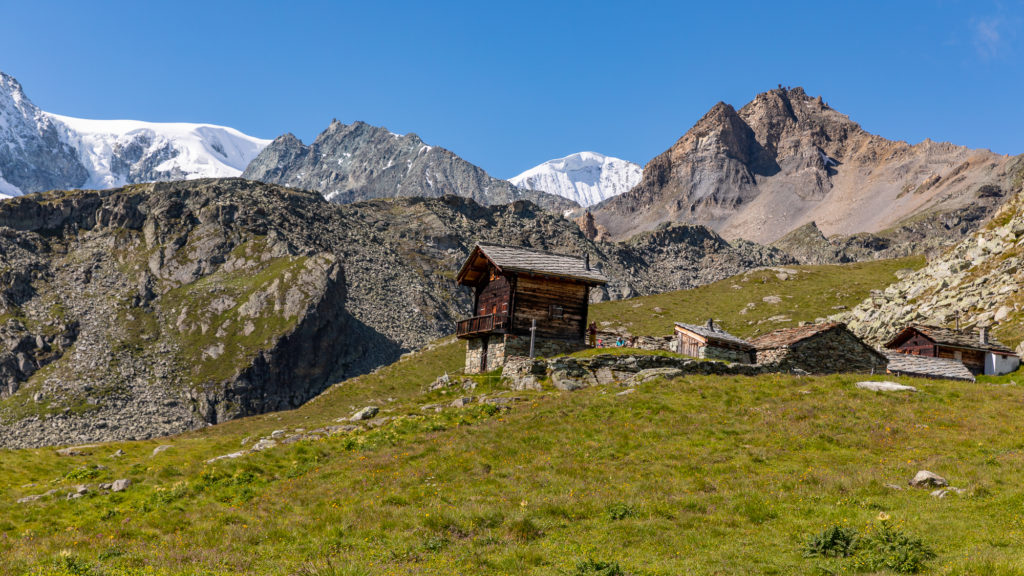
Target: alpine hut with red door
[[519, 293]]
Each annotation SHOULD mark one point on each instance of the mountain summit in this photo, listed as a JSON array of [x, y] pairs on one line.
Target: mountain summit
[[352, 162], [786, 159], [585, 177], [42, 151]]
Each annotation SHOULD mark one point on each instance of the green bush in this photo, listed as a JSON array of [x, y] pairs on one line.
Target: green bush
[[594, 568], [882, 546], [886, 546], [620, 511], [83, 473], [834, 542]]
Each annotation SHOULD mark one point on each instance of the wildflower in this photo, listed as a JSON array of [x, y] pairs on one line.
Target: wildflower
[[523, 504], [882, 517]]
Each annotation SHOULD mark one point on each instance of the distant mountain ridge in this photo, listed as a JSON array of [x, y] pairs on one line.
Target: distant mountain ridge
[[43, 151], [353, 162], [586, 178], [787, 159]]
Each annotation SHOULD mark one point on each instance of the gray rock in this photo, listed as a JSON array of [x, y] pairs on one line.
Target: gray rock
[[461, 402], [885, 387], [925, 479], [83, 450], [120, 485], [161, 448], [365, 414], [943, 492]]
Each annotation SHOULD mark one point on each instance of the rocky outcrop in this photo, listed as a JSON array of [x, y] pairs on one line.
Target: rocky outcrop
[[786, 159], [353, 162], [976, 282], [156, 308], [33, 156]]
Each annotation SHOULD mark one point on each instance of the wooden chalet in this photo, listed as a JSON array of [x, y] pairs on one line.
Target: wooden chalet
[[711, 341], [519, 289], [975, 348]]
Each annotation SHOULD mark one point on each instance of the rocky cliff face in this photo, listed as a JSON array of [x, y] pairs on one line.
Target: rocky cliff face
[[787, 159], [33, 156], [978, 282], [352, 162], [157, 308]]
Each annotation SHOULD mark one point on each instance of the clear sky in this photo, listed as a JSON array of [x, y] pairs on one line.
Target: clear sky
[[508, 85]]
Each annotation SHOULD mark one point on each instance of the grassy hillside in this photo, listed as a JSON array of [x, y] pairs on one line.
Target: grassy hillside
[[756, 302], [700, 475]]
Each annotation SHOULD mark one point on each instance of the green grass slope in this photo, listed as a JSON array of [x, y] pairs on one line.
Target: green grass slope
[[803, 293], [702, 475]]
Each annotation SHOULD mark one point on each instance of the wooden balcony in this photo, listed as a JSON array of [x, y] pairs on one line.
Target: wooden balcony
[[479, 325]]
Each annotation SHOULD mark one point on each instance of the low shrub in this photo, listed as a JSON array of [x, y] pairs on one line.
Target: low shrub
[[591, 567], [834, 542], [620, 511]]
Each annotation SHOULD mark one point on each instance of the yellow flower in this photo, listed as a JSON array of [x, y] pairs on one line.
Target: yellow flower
[[523, 504], [882, 516]]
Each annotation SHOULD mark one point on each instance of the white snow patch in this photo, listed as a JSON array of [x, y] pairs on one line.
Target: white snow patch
[[885, 386], [585, 177], [195, 150]]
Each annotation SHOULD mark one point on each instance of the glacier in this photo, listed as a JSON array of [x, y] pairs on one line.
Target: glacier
[[586, 178]]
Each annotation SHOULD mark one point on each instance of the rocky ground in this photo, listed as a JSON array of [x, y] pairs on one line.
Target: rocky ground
[[157, 308], [978, 282]]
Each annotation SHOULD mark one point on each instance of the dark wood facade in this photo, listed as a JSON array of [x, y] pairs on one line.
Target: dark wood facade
[[917, 341], [515, 300], [530, 287]]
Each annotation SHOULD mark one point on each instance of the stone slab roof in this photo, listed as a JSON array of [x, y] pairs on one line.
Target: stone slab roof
[[969, 339], [789, 336], [928, 366], [529, 261], [716, 333]]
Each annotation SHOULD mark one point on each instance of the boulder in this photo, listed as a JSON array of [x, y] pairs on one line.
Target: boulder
[[926, 479], [365, 414], [885, 387], [84, 450], [120, 485], [161, 448]]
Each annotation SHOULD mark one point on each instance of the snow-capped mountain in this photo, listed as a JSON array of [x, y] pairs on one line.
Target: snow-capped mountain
[[42, 151], [585, 177]]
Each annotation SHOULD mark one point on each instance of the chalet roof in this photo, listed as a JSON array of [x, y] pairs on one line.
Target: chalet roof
[[928, 366], [715, 333], [789, 336], [529, 261], [968, 339]]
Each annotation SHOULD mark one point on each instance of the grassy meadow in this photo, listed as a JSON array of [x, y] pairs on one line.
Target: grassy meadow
[[696, 475], [756, 302]]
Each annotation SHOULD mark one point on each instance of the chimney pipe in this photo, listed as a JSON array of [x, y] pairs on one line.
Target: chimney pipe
[[586, 260], [983, 334], [711, 324]]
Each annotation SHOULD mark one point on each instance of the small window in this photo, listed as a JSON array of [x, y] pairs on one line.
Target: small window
[[555, 312]]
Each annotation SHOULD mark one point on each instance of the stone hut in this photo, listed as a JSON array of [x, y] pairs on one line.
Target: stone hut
[[710, 341], [519, 293], [827, 348], [979, 352], [902, 364]]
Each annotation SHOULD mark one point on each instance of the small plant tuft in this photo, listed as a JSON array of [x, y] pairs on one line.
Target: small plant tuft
[[834, 542], [590, 567], [621, 511]]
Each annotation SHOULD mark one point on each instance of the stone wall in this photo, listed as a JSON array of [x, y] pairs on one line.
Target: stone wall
[[501, 347], [831, 352], [726, 354]]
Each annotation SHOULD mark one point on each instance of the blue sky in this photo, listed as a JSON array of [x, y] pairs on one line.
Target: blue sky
[[508, 85]]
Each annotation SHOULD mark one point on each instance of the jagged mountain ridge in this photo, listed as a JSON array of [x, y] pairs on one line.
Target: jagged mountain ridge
[[353, 162], [786, 159], [586, 178], [156, 308], [43, 151]]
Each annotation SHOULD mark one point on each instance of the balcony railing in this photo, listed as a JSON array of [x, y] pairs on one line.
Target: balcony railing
[[481, 325]]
